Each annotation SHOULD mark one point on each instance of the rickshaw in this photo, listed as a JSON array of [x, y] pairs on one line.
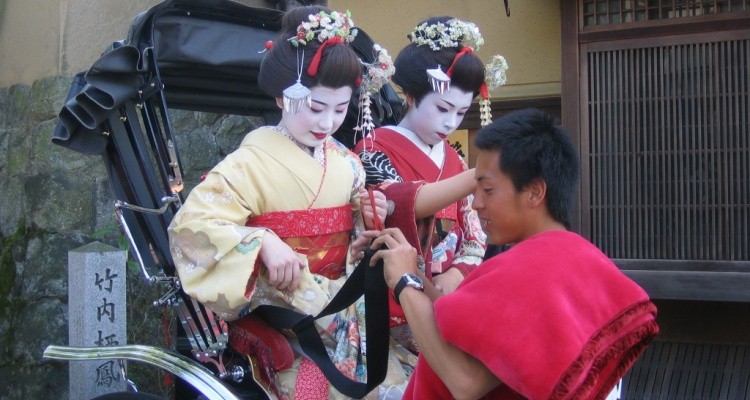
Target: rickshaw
[[200, 55]]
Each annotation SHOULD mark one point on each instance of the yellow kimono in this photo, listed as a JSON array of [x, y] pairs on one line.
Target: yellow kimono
[[216, 236]]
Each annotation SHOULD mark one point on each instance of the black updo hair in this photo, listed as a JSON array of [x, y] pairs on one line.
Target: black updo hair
[[339, 65], [413, 62]]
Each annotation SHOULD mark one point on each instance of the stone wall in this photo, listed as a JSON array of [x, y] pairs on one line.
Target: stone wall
[[54, 200]]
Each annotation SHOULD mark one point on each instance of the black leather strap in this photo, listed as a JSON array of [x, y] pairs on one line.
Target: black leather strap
[[397, 290], [364, 280]]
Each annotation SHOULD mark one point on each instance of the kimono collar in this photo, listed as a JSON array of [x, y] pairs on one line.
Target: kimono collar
[[317, 153], [435, 152]]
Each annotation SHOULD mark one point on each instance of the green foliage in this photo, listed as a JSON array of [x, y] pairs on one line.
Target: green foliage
[[9, 304], [122, 244]]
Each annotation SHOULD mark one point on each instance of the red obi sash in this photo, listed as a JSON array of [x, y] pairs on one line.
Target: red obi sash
[[450, 212], [321, 234]]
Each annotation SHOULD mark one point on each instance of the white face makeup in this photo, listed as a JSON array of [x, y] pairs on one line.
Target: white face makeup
[[312, 125], [438, 115]]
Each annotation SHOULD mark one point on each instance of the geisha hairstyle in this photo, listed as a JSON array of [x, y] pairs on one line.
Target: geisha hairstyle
[[415, 59], [339, 65]]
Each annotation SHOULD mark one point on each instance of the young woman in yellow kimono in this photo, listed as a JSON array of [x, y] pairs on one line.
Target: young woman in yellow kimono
[[276, 221]]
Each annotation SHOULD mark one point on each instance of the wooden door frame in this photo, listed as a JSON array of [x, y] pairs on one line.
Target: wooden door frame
[[663, 279]]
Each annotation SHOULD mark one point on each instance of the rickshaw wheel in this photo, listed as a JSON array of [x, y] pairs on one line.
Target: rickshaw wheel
[[128, 396]]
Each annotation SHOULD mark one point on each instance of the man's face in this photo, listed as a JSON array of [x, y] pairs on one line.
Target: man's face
[[438, 115], [312, 125], [498, 204]]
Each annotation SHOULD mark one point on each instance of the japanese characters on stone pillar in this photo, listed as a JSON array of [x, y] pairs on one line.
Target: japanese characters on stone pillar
[[96, 316]]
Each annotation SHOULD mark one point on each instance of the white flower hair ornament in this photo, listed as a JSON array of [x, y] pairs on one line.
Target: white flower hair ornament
[[379, 73], [454, 33], [329, 29], [495, 72], [495, 77]]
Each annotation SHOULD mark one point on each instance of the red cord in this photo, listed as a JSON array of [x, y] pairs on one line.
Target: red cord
[[375, 217]]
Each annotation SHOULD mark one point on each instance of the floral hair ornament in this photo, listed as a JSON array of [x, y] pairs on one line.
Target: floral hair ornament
[[329, 29], [378, 73], [453, 33], [494, 78], [322, 26]]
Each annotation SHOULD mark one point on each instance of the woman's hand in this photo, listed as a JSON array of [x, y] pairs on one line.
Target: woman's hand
[[358, 247], [282, 263], [448, 281], [381, 208]]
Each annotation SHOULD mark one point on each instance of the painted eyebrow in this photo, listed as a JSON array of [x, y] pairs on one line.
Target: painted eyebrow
[[453, 105], [325, 104]]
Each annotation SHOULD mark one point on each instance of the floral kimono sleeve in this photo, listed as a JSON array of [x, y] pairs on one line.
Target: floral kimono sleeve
[[471, 245], [214, 252]]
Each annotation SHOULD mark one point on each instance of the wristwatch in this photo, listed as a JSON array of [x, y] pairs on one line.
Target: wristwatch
[[407, 280]]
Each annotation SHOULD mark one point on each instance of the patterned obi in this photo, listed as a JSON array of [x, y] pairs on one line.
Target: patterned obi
[[321, 234]]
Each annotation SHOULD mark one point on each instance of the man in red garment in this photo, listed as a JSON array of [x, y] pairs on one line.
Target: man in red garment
[[550, 318]]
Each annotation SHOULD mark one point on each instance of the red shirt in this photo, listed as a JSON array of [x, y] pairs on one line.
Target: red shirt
[[552, 317]]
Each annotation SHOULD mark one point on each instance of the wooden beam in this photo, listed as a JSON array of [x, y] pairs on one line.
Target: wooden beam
[[694, 285]]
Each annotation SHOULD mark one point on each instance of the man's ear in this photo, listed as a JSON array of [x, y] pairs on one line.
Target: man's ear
[[280, 102], [537, 192]]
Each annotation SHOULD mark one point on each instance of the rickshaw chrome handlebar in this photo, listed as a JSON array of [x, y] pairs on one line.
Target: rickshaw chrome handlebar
[[200, 377]]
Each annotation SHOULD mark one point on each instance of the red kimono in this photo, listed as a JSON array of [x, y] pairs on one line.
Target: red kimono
[[453, 238], [552, 318]]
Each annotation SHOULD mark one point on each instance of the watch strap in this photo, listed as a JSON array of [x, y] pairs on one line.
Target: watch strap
[[402, 283]]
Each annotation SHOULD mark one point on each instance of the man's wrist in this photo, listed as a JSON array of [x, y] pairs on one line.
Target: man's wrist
[[407, 280]]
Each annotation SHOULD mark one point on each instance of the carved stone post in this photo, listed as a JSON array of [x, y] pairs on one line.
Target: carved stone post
[[96, 316]]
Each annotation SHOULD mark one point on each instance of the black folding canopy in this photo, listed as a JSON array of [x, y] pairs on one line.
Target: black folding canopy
[[203, 55]]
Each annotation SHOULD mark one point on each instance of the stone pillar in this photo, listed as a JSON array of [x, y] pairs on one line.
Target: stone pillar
[[96, 316]]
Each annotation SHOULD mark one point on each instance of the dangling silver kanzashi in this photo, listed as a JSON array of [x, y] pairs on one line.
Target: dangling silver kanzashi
[[439, 80], [297, 95]]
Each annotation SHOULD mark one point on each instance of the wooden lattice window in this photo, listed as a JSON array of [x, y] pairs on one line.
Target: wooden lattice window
[[602, 12], [668, 148]]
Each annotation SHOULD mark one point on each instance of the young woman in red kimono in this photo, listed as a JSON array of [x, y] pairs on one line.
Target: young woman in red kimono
[[440, 75], [550, 318]]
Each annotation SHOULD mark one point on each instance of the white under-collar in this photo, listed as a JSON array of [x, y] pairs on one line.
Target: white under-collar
[[436, 153], [317, 153]]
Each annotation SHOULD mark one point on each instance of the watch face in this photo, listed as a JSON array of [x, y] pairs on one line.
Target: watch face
[[414, 281], [410, 280]]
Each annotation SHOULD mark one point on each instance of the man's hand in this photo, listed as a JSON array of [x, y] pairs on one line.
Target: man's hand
[[282, 263], [398, 256]]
